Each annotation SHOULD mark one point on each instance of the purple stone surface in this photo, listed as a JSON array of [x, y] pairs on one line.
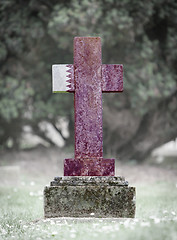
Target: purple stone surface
[[88, 98], [112, 77], [89, 167], [88, 78]]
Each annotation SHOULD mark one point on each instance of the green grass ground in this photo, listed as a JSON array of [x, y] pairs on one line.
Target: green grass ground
[[21, 216], [21, 212]]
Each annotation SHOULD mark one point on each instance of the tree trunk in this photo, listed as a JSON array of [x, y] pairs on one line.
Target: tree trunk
[[156, 127]]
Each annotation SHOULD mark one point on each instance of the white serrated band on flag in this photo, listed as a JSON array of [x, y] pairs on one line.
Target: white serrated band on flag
[[59, 78]]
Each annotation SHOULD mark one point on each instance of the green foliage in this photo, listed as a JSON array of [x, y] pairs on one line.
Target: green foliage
[[123, 26], [15, 95], [35, 34]]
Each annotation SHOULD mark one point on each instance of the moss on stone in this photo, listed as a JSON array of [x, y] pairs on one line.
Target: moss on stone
[[70, 200]]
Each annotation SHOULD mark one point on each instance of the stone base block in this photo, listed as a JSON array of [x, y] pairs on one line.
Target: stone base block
[[89, 197], [89, 167]]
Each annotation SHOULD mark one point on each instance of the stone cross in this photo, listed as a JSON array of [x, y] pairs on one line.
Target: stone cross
[[88, 78]]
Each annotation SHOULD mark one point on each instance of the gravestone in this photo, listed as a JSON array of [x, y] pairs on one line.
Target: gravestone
[[89, 187]]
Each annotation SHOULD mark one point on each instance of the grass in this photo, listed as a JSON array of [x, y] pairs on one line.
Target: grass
[[21, 206], [21, 216]]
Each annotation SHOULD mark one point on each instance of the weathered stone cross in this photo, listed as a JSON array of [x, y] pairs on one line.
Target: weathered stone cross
[[88, 187], [88, 78]]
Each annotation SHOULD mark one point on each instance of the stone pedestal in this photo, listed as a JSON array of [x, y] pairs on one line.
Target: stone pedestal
[[85, 196]]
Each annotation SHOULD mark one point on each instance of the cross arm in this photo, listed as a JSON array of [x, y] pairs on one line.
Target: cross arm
[[112, 78], [63, 78]]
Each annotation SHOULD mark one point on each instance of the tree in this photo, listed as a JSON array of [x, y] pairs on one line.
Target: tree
[[141, 35]]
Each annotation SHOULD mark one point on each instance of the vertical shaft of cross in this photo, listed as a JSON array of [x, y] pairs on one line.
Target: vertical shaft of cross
[[88, 98]]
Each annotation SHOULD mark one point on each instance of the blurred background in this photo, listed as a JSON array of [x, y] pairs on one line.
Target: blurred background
[[141, 35], [37, 127]]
